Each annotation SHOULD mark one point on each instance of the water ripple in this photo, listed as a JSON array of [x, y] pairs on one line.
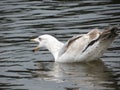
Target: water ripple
[[21, 20]]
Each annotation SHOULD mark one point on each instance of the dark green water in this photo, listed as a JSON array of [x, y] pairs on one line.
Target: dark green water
[[21, 20]]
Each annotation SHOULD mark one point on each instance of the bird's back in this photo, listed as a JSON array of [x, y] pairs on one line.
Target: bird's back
[[87, 47]]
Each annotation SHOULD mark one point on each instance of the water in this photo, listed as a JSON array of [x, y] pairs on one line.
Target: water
[[21, 20]]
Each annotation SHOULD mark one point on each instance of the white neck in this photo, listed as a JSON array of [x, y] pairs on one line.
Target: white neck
[[54, 46]]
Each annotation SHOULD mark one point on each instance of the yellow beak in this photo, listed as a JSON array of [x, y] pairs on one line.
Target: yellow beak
[[33, 40], [36, 48]]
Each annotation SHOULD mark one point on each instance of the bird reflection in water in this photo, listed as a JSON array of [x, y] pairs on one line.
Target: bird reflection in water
[[92, 74]]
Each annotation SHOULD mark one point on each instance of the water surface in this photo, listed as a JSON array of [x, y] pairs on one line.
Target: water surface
[[21, 20]]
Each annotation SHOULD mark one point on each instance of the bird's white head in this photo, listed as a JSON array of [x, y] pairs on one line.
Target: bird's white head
[[47, 41], [50, 43]]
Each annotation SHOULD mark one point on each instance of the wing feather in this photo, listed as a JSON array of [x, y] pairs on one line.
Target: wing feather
[[83, 41], [69, 43]]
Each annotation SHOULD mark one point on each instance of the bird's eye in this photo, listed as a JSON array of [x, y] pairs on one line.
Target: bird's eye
[[40, 39]]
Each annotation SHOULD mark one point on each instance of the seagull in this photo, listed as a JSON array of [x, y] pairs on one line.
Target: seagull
[[81, 48]]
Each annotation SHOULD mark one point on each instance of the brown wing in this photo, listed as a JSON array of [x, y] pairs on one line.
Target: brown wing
[[90, 39], [69, 43], [94, 36]]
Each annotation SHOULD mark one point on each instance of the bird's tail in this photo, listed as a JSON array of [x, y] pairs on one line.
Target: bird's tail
[[109, 33]]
